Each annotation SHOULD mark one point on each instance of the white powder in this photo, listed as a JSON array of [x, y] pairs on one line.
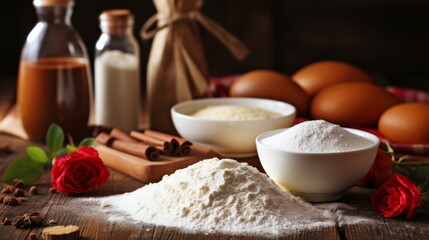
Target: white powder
[[317, 136], [342, 211], [234, 112], [117, 90], [220, 196]]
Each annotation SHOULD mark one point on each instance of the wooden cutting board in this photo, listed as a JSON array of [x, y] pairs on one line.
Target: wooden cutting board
[[151, 171]]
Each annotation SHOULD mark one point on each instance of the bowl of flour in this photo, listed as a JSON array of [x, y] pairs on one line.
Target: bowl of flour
[[317, 160], [230, 126]]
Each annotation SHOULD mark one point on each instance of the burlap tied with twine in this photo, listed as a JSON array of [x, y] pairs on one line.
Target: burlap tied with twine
[[177, 69]]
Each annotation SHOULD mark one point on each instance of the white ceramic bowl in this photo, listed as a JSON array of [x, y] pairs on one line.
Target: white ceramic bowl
[[317, 177], [227, 137]]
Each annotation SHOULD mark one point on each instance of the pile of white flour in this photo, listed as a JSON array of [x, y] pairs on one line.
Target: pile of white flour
[[316, 136], [220, 196], [234, 112]]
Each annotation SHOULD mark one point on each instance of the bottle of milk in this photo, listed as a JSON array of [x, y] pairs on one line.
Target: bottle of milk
[[117, 72]]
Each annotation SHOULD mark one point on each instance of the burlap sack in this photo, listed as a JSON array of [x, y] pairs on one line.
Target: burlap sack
[[177, 70]]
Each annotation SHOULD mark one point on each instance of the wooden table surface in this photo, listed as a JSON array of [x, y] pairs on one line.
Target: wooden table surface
[[358, 221]]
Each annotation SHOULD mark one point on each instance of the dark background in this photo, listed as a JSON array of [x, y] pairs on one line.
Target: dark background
[[387, 38]]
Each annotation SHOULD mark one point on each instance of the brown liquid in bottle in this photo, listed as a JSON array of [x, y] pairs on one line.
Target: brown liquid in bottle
[[54, 90]]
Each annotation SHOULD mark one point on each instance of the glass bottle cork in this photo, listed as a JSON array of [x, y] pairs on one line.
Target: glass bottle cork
[[117, 72], [54, 79]]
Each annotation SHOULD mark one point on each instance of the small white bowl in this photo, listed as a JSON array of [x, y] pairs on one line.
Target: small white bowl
[[317, 177], [230, 138]]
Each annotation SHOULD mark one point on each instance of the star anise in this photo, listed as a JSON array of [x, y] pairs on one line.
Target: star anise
[[8, 189], [52, 190], [5, 221], [19, 183], [11, 201], [28, 220], [18, 192], [18, 221], [21, 199], [32, 236], [33, 190]]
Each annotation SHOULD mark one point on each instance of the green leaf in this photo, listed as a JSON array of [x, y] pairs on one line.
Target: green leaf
[[401, 170], [71, 148], [23, 168], [90, 142], [37, 154], [421, 172], [55, 137], [62, 152]]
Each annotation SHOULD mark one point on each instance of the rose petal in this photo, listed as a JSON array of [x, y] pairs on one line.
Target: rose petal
[[397, 196], [80, 171]]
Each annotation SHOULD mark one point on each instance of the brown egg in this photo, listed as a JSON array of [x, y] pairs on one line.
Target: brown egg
[[352, 104], [318, 75], [272, 85], [406, 123]]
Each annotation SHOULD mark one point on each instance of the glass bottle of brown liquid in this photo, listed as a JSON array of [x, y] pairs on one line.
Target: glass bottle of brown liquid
[[54, 80]]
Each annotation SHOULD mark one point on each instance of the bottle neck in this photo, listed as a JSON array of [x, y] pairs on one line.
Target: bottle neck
[[55, 14], [117, 28], [124, 32], [116, 22]]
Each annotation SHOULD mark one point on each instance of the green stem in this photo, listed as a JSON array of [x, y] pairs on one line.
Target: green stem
[[413, 163]]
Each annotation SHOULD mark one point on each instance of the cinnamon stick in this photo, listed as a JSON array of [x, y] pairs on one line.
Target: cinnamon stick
[[150, 140], [159, 135], [184, 148], [122, 135], [104, 138], [168, 146], [138, 149], [181, 146], [166, 137]]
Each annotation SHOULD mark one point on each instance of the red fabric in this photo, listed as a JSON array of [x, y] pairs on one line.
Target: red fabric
[[409, 95], [219, 87]]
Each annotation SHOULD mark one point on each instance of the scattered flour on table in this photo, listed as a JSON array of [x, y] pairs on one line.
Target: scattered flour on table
[[234, 112], [341, 212], [316, 136], [220, 196]]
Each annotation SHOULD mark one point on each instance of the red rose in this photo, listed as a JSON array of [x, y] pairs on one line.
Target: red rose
[[398, 196], [79, 171], [380, 171]]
